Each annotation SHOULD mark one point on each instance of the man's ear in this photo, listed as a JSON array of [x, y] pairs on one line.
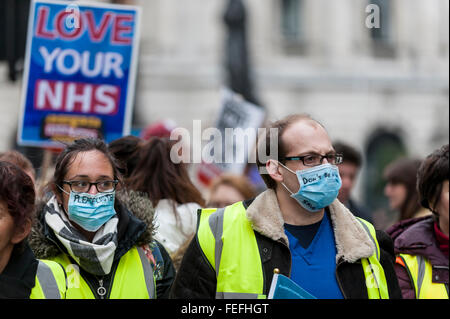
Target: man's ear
[[21, 232], [272, 168]]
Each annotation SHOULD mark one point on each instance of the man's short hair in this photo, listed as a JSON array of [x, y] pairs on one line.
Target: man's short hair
[[351, 155], [280, 126]]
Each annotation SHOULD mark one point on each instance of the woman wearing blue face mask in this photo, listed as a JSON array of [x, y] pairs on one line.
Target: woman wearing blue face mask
[[100, 235]]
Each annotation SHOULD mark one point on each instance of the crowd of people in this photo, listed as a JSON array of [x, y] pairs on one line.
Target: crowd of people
[[123, 221]]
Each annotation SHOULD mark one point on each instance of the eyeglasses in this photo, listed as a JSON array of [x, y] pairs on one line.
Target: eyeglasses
[[85, 186], [315, 159]]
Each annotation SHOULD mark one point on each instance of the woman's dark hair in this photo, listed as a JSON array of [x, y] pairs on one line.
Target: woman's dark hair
[[351, 154], [160, 178], [68, 155], [404, 171], [17, 193], [431, 174], [126, 151]]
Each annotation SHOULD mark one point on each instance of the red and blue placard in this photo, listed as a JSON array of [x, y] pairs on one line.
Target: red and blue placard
[[80, 70]]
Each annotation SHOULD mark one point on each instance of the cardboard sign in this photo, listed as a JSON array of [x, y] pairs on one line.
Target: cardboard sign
[[80, 70], [237, 122]]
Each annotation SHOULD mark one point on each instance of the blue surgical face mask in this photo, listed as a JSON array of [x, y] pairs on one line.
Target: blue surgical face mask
[[91, 211], [319, 186]]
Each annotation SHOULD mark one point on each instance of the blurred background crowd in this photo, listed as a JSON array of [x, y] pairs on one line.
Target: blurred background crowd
[[381, 92]]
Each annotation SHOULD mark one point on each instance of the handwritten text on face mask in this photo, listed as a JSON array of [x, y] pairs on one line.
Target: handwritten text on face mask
[[318, 177], [83, 199]]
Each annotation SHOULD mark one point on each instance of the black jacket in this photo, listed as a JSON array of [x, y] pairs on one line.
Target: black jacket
[[19, 276], [197, 279]]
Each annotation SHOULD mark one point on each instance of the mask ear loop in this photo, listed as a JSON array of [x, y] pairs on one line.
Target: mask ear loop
[[284, 185], [60, 204], [287, 168], [62, 189], [291, 193]]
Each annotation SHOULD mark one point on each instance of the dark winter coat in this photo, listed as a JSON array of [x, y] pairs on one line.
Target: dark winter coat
[[416, 237], [197, 279], [19, 276]]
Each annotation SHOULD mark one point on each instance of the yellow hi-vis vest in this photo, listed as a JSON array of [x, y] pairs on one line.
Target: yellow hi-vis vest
[[420, 272], [228, 241], [50, 281], [133, 278]]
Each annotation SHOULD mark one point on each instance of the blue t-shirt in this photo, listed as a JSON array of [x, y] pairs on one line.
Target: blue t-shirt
[[304, 234], [314, 267]]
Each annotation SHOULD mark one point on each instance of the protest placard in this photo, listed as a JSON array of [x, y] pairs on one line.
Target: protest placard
[[80, 70], [237, 126]]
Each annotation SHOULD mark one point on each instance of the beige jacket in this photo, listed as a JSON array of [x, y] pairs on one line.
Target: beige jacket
[[352, 241]]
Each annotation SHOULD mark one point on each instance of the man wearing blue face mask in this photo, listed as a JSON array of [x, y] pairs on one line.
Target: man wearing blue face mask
[[297, 228]]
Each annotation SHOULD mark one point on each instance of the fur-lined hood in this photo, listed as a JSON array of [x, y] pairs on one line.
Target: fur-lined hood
[[352, 241], [137, 205]]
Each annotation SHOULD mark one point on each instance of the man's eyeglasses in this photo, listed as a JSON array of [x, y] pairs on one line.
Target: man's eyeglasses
[[315, 159], [85, 186]]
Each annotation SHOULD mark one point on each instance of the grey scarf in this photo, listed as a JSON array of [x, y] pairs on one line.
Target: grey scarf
[[95, 257]]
